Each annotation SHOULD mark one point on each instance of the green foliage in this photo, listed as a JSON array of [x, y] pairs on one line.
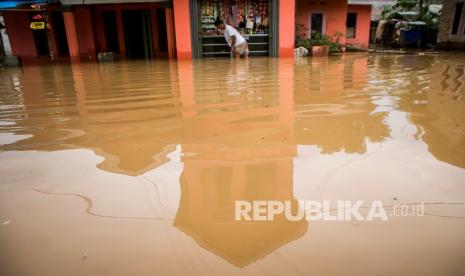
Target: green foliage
[[421, 7], [321, 40]]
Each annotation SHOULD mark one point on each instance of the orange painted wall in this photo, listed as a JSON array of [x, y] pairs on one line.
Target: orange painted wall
[[19, 33], [362, 31], [286, 28], [183, 29], [335, 13], [70, 27], [85, 33]]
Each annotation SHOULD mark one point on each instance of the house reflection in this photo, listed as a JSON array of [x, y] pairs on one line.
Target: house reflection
[[209, 190], [134, 114], [332, 107], [434, 98], [238, 127], [109, 109]]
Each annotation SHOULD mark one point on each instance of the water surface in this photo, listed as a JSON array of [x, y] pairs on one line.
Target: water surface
[[134, 168]]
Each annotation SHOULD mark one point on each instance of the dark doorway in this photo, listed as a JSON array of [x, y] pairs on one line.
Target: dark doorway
[[111, 32], [316, 24], [60, 33], [41, 42], [137, 32], [162, 36], [40, 36]]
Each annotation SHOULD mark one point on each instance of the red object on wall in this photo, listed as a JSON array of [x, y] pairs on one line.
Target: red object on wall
[[38, 17]]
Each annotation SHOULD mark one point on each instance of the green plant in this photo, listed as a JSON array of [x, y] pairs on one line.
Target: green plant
[[321, 40]]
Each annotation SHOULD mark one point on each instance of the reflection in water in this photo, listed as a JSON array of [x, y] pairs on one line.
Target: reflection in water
[[238, 123], [435, 102], [206, 212], [134, 114]]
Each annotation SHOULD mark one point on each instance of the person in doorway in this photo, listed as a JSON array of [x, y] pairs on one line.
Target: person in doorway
[[235, 40]]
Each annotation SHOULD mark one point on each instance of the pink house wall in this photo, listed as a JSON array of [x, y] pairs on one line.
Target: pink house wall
[[183, 28], [335, 12], [286, 28], [362, 30]]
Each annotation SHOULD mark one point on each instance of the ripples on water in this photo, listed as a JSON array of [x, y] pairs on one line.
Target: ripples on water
[[335, 104], [218, 130]]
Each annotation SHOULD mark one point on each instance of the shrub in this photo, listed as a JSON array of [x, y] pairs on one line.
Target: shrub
[[321, 40]]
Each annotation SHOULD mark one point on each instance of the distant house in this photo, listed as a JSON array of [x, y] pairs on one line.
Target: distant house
[[452, 25]]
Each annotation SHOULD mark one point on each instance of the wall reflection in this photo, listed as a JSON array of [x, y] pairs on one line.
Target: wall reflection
[[238, 124], [433, 95]]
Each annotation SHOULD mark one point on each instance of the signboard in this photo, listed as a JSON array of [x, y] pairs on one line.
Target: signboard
[[37, 25], [372, 2]]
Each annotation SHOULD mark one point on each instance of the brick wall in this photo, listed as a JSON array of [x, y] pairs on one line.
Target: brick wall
[[445, 39]]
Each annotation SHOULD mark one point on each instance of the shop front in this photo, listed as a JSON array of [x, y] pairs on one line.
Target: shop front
[[256, 20], [134, 30], [36, 32]]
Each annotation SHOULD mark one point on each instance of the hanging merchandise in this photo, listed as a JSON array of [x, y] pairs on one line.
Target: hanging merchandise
[[247, 16]]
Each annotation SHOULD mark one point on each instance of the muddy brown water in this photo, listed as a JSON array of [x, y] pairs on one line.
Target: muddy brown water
[[133, 168]]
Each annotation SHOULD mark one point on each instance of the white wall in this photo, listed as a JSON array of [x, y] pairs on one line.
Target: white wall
[[6, 41]]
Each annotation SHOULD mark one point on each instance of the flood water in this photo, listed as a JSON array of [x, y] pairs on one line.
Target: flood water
[[133, 168]]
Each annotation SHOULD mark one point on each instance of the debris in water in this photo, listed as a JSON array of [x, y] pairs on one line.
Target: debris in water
[[6, 222]]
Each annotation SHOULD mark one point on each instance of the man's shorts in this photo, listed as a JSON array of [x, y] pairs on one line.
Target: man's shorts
[[242, 49]]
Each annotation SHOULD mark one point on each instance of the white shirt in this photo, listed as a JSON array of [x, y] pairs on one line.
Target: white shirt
[[230, 31]]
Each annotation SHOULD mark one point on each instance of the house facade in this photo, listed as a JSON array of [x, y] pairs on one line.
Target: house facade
[[43, 31], [452, 25]]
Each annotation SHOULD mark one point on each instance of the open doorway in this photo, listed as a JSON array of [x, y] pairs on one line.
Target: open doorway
[[111, 33], [162, 35], [317, 24], [138, 33], [60, 33]]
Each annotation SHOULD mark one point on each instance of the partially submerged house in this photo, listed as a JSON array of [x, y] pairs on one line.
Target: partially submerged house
[[52, 30]]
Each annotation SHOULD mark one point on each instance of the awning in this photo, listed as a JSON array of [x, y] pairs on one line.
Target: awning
[[18, 4], [89, 2]]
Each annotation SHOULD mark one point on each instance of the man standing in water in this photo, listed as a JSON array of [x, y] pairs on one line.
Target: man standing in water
[[235, 40]]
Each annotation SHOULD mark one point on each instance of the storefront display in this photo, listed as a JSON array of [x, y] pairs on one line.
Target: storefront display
[[250, 17], [247, 16]]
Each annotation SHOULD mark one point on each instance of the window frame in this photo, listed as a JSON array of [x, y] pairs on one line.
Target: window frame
[[457, 18], [355, 24]]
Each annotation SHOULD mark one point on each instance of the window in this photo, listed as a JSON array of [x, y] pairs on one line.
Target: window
[[351, 24], [457, 15]]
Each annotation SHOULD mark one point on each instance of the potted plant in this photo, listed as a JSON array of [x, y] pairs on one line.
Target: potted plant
[[320, 44]]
